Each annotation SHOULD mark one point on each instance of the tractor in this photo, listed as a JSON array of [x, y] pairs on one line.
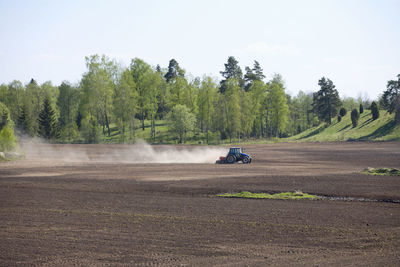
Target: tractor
[[235, 154]]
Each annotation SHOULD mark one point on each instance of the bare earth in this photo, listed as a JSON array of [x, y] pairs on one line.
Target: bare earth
[[94, 213]]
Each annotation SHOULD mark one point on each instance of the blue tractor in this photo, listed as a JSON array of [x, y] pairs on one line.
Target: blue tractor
[[235, 154]]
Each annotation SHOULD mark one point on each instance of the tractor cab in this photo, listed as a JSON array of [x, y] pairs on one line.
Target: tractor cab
[[235, 154], [237, 151]]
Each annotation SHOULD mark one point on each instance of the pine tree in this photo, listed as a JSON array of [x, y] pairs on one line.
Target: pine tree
[[24, 123], [354, 117], [342, 112], [173, 71], [391, 98], [48, 124], [374, 110], [232, 70], [254, 74], [326, 101], [79, 119]]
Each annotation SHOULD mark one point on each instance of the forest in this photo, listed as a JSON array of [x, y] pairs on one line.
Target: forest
[[119, 104]]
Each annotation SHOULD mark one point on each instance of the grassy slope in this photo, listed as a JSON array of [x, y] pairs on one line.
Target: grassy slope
[[161, 133], [382, 129], [163, 136]]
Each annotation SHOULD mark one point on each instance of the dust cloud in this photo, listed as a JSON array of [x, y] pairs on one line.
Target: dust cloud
[[140, 152]]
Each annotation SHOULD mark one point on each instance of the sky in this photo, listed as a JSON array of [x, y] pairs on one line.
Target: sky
[[353, 43]]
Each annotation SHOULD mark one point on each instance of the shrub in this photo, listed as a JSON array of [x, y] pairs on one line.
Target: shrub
[[91, 131], [374, 110], [339, 118], [7, 138], [354, 117], [361, 108], [342, 112]]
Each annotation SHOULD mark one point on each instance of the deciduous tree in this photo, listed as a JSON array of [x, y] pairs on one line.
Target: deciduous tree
[[206, 101], [125, 103], [278, 109], [181, 120]]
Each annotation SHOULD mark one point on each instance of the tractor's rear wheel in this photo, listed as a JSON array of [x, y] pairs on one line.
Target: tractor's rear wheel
[[246, 160], [230, 159]]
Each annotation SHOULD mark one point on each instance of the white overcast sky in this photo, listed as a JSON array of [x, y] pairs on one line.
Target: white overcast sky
[[354, 43]]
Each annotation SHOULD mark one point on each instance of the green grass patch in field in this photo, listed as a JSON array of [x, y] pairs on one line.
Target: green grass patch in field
[[381, 171], [283, 195]]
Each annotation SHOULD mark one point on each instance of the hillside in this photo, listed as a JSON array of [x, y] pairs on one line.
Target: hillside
[[382, 129]]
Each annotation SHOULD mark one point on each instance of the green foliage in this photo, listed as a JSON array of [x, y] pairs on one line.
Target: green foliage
[[232, 71], [70, 133], [374, 110], [246, 117], [257, 109], [90, 130], [354, 117], [4, 116], [174, 71], [206, 102], [34, 101], [391, 98], [141, 72], [382, 171], [98, 85], [300, 112], [229, 110], [342, 112], [68, 105], [67, 102], [48, 124], [124, 103], [14, 98], [349, 103], [326, 101], [24, 123], [252, 75], [111, 103], [382, 129], [283, 195], [277, 108], [7, 139], [181, 120]]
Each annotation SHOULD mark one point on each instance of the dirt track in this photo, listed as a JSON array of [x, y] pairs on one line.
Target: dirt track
[[108, 213]]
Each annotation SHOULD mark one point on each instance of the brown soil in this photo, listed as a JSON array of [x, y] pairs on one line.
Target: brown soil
[[94, 213]]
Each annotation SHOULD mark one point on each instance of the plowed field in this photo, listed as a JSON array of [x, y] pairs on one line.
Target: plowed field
[[94, 212]]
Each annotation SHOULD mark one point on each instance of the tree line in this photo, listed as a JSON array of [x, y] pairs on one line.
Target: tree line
[[239, 106]]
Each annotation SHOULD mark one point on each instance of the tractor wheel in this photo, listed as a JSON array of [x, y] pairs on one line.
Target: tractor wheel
[[246, 160], [230, 159]]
